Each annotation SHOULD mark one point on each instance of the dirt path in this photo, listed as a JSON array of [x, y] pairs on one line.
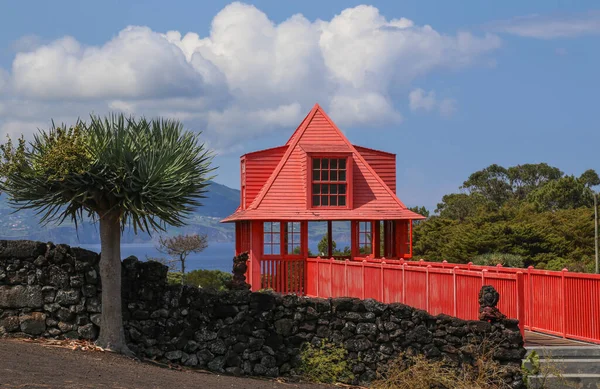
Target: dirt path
[[34, 365]]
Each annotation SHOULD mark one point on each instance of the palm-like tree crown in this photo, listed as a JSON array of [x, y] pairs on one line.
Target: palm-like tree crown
[[152, 172]]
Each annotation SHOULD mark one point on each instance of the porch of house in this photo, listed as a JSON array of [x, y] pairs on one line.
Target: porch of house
[[279, 251]]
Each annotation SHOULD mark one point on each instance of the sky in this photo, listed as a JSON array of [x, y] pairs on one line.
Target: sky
[[450, 87]]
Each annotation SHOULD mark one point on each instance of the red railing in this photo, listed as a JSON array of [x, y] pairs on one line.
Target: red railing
[[282, 275], [552, 302]]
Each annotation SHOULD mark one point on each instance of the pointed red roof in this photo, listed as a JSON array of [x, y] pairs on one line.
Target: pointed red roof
[[284, 194]]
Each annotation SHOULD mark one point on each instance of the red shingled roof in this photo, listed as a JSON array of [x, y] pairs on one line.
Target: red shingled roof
[[284, 194]]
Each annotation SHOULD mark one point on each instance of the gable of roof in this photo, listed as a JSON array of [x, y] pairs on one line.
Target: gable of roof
[[289, 178]]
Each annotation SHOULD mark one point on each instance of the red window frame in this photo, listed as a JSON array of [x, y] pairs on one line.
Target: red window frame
[[276, 244], [271, 240], [348, 182], [365, 237]]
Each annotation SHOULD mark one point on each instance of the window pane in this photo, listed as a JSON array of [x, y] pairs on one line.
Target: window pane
[[316, 188], [276, 250], [267, 226], [334, 175], [316, 163], [316, 201], [324, 200], [324, 163], [333, 200], [334, 164], [342, 188], [324, 175], [275, 227], [268, 238], [342, 175], [267, 249], [333, 189], [342, 200], [276, 238], [342, 163], [324, 188], [316, 175]]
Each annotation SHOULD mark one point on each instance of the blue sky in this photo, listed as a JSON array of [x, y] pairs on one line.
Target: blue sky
[[450, 89]]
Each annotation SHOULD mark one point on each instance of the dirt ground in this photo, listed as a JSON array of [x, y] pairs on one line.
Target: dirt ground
[[38, 365]]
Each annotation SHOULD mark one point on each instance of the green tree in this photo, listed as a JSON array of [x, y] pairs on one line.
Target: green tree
[[528, 177], [460, 206], [493, 183], [118, 170], [565, 193], [323, 246]]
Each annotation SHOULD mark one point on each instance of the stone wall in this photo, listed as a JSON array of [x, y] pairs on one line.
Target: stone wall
[[53, 291], [48, 290]]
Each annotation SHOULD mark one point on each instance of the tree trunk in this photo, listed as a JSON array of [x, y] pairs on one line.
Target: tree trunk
[[182, 258], [111, 337]]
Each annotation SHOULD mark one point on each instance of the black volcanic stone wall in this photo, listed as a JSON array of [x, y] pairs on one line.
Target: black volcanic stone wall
[[54, 291]]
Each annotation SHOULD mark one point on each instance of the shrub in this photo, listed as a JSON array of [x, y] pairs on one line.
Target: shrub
[[209, 279], [418, 372], [506, 260], [325, 363]]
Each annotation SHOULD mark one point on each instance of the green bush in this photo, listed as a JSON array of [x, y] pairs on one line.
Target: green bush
[[209, 279], [325, 363], [506, 260]]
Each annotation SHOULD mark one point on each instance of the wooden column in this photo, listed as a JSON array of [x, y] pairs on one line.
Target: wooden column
[[354, 238], [401, 238], [329, 239], [376, 241], [256, 249]]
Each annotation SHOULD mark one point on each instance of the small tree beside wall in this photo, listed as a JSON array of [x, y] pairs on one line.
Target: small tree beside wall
[[180, 246]]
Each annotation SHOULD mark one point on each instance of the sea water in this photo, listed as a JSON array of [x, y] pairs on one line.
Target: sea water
[[217, 256]]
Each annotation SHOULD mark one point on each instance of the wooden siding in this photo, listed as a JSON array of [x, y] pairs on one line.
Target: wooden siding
[[288, 191], [259, 167], [369, 193], [383, 163], [285, 180]]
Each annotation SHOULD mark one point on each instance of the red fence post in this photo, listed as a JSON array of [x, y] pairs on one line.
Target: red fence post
[[427, 287], [403, 284], [563, 288], [529, 315], [454, 299], [382, 282], [521, 302], [317, 276], [364, 280], [346, 278]]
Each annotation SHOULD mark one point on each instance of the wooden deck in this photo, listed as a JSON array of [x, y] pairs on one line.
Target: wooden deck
[[536, 339]]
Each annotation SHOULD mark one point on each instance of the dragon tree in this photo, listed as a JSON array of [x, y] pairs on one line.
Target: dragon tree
[[120, 171]]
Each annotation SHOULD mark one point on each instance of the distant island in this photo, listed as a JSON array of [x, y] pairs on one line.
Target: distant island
[[221, 201]]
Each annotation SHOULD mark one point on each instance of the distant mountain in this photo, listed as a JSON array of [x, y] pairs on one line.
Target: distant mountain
[[221, 201]]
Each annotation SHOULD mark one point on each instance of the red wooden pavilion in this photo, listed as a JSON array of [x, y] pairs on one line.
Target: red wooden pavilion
[[317, 176]]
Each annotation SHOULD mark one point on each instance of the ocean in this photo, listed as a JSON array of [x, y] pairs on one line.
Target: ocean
[[217, 256]]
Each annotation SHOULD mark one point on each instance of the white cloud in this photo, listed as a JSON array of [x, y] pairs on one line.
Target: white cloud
[[448, 107], [418, 99], [248, 77], [549, 27]]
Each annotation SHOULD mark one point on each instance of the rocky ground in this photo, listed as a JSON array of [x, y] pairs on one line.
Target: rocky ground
[[44, 365]]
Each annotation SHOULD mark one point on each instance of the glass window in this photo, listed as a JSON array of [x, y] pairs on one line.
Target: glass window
[[329, 185], [271, 238], [292, 237], [365, 238]]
